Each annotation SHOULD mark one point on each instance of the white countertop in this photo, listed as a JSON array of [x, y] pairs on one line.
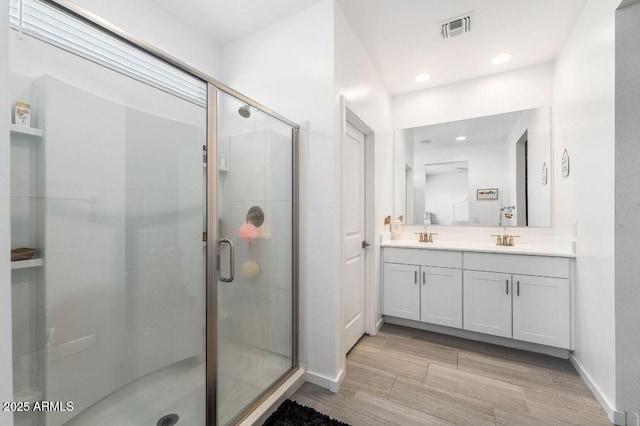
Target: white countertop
[[532, 250]]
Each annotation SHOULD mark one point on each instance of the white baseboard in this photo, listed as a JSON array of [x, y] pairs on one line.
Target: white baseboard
[[271, 404], [487, 338], [616, 417], [325, 382], [379, 325], [334, 386]]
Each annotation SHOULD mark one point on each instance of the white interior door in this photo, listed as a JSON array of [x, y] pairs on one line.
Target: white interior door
[[353, 215]]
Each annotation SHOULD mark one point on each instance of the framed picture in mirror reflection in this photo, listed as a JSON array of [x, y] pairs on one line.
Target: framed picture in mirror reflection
[[487, 194]]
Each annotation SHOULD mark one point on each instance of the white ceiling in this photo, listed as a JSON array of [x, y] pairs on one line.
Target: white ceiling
[[227, 20], [446, 168], [478, 131], [403, 36]]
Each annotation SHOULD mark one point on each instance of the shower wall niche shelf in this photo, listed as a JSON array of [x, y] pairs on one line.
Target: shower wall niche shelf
[[30, 131], [31, 263], [27, 158]]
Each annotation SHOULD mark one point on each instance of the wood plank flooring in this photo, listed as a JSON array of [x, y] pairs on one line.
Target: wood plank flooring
[[405, 377]]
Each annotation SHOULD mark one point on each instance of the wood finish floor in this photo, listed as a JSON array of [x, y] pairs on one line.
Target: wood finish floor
[[405, 377]]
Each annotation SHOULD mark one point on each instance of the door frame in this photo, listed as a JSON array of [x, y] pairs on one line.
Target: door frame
[[349, 115]]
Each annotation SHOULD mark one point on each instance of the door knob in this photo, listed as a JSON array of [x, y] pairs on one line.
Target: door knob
[[365, 244]]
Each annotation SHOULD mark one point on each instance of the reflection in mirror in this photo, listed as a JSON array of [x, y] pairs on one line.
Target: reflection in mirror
[[486, 171]]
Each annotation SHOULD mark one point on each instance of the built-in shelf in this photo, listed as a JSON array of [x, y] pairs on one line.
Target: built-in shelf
[[23, 130], [31, 263], [28, 395], [223, 169]]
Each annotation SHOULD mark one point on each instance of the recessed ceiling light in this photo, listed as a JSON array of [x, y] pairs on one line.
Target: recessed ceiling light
[[421, 78], [501, 59], [461, 138]]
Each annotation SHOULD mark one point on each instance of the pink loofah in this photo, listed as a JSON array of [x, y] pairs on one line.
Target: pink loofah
[[248, 232]]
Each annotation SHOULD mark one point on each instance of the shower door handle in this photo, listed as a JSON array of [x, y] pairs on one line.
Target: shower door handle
[[232, 260]]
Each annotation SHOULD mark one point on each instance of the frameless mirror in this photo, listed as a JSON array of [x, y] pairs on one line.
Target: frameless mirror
[[486, 171]]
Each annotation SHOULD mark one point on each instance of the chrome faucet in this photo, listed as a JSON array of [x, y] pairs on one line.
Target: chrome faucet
[[505, 240], [425, 237]]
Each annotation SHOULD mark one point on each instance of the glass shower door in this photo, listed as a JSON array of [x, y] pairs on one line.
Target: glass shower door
[[107, 186], [255, 240]]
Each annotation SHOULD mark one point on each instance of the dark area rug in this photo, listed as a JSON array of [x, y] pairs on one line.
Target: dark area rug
[[291, 413]]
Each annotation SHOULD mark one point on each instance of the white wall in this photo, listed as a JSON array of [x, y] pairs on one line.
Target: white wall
[[358, 80], [486, 170], [525, 88], [627, 211], [442, 193], [583, 117], [147, 21], [6, 381], [288, 66]]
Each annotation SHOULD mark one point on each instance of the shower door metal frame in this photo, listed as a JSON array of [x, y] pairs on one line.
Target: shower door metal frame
[[213, 86], [213, 259]]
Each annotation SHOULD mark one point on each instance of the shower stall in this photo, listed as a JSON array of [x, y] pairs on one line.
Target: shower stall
[[160, 209]]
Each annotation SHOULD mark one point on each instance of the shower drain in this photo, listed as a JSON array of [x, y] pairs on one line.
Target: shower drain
[[168, 420]]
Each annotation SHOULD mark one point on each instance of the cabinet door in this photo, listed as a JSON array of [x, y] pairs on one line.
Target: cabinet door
[[441, 296], [401, 291], [487, 302], [541, 310]]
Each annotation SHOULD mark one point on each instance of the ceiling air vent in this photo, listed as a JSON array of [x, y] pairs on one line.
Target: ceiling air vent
[[456, 27]]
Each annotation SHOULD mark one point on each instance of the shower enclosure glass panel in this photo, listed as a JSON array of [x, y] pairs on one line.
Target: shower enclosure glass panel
[[111, 194], [255, 248]]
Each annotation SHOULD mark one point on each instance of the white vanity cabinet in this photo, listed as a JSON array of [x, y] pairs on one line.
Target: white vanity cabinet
[[541, 311], [487, 302], [441, 296], [523, 297], [423, 285], [401, 291], [515, 296]]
